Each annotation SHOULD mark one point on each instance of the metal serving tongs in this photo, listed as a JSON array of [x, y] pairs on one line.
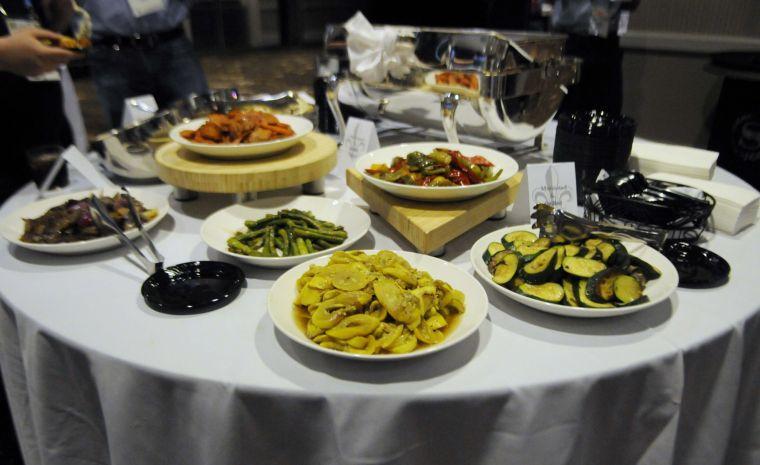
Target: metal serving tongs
[[557, 222], [101, 216], [186, 288]]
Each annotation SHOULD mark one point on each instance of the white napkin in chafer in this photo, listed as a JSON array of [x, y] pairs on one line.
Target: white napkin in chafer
[[735, 207], [373, 51], [655, 157]]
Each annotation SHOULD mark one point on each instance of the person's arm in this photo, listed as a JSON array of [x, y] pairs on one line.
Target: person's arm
[[23, 52]]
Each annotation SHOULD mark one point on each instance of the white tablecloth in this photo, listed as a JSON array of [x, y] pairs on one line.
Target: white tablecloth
[[95, 377]]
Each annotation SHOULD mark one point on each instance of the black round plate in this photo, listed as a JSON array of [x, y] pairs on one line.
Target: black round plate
[[697, 267], [193, 287]]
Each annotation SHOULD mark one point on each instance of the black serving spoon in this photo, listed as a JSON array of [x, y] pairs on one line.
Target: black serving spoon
[[184, 289], [697, 267]]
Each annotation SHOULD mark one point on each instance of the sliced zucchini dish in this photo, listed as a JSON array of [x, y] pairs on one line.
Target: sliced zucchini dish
[[595, 272]]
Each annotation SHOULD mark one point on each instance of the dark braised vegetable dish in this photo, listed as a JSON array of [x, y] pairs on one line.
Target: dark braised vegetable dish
[[72, 221], [595, 272], [440, 168], [288, 233]]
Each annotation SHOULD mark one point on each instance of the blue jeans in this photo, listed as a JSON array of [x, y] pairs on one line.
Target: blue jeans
[[170, 71]]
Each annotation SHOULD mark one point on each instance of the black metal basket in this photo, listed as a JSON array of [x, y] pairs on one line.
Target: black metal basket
[[678, 225]]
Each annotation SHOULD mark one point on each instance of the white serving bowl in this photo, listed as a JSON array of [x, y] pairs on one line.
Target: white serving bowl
[[12, 226], [657, 290], [224, 223], [301, 127], [385, 155], [283, 292]]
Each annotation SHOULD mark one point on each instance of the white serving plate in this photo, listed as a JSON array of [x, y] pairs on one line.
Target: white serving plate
[[12, 226], [226, 222], [301, 127], [283, 293], [437, 194], [657, 290]]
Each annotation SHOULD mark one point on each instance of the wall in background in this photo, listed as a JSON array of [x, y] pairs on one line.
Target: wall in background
[[667, 87]]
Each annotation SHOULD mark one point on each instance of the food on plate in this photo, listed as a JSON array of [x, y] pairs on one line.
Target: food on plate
[[595, 272], [375, 304], [457, 78], [288, 233], [69, 43], [440, 168], [72, 221], [239, 127]]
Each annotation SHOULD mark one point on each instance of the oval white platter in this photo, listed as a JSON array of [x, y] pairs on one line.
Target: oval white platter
[[12, 226], [301, 126], [283, 293], [657, 290], [385, 155], [224, 223]]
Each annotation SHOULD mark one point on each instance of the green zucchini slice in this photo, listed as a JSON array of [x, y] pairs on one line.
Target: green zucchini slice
[[600, 287], [585, 301], [492, 249], [591, 253], [593, 242], [620, 257], [543, 241], [582, 267], [530, 251], [559, 239], [649, 271], [548, 292], [627, 289], [541, 269], [507, 269], [571, 250], [641, 300], [606, 249], [568, 288], [514, 239], [496, 259]]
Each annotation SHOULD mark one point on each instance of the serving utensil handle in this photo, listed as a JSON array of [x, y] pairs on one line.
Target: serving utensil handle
[[100, 213], [136, 219], [331, 93]]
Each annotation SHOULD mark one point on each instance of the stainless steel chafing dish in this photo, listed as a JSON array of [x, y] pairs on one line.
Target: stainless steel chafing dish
[[519, 81], [128, 151]]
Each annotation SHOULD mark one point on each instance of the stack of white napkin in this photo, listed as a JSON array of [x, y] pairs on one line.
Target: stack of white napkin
[[373, 52], [649, 157], [735, 207]]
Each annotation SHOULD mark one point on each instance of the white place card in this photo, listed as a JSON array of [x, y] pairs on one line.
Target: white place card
[[549, 183], [361, 137], [79, 162], [137, 109]]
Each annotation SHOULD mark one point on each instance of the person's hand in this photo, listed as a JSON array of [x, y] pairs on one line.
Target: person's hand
[[23, 52]]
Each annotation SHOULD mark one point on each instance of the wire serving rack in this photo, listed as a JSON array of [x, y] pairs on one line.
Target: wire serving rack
[[678, 224]]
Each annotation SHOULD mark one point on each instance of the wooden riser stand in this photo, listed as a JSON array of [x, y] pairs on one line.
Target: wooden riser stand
[[430, 226]]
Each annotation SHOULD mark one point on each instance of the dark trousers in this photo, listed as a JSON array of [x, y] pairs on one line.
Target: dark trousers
[[32, 115], [169, 71]]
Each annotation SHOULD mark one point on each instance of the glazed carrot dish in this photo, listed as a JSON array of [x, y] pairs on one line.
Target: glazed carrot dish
[[453, 78], [239, 127]]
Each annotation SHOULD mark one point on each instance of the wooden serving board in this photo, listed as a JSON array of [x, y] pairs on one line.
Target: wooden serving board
[[430, 226], [310, 159]]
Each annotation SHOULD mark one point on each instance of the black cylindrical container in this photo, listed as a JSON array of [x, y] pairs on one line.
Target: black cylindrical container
[[594, 140]]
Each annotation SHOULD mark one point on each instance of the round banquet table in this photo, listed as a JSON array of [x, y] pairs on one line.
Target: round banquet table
[[94, 376]]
